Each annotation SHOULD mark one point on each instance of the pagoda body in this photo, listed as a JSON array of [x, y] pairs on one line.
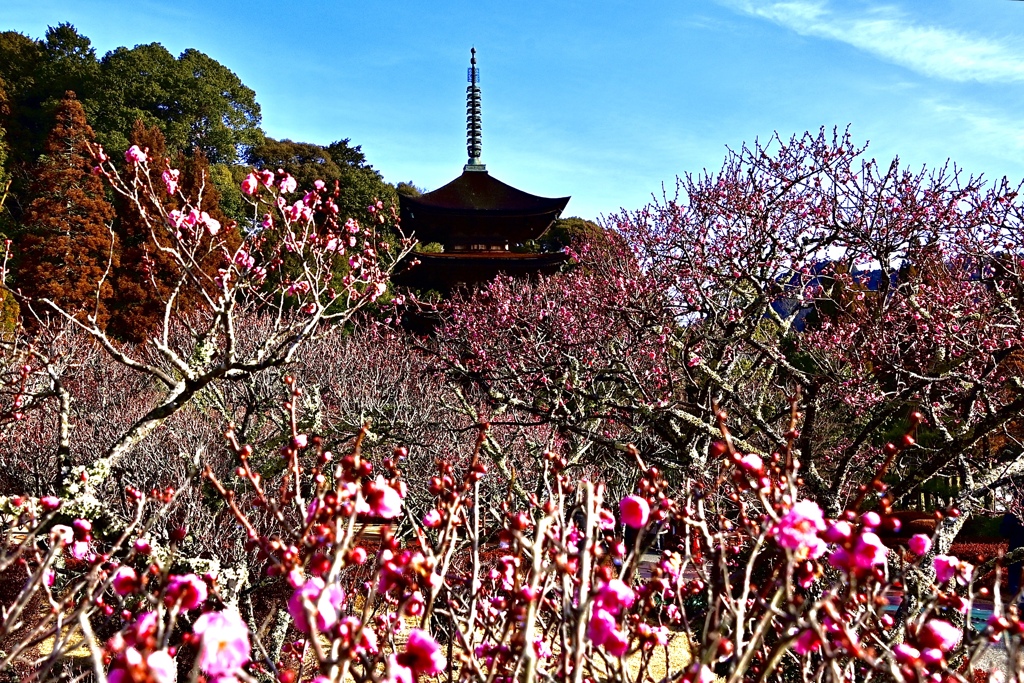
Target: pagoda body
[[477, 220]]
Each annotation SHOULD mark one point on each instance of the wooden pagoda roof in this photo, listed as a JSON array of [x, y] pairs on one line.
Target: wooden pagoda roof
[[476, 191], [478, 208]]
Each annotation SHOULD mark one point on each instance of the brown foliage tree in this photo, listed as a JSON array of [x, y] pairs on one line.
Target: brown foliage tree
[[67, 247], [148, 275]]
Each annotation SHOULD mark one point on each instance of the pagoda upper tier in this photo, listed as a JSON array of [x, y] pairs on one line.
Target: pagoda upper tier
[[476, 219], [477, 212]]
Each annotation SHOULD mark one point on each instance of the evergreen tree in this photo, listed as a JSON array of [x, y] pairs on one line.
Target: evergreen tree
[[66, 246]]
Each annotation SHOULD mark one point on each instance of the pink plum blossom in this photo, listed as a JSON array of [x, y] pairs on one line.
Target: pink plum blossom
[[175, 219], [798, 529], [135, 155], [296, 577], [603, 632], [398, 673], [188, 591], [939, 634], [381, 500], [80, 551], [125, 581], [869, 551], [62, 533], [906, 654], [212, 224], [326, 602], [432, 519], [614, 596], [920, 544], [157, 667], [287, 184], [170, 178], [367, 639], [752, 463], [634, 511], [162, 667], [950, 566], [870, 520], [299, 211], [422, 654], [250, 184], [838, 532], [224, 646], [808, 641]]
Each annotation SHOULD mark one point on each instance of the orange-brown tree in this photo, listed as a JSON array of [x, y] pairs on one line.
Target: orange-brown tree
[[148, 275], [67, 247]]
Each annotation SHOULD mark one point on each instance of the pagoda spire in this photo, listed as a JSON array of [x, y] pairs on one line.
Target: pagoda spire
[[474, 146]]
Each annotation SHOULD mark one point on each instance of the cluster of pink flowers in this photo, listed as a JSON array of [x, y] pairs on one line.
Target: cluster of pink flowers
[[421, 656], [926, 650], [381, 499], [803, 530], [78, 537], [193, 218], [186, 591], [612, 598], [838, 635], [314, 597], [223, 646], [286, 184], [856, 551], [137, 656], [134, 667], [920, 544], [170, 178], [798, 530], [136, 155], [948, 567]]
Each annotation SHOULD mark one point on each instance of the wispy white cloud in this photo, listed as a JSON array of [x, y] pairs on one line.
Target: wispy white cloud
[[985, 129], [890, 34]]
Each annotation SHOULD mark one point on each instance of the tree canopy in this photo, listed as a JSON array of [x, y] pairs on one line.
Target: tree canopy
[[190, 112], [196, 101]]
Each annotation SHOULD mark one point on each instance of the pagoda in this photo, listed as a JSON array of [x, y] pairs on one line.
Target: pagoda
[[476, 219]]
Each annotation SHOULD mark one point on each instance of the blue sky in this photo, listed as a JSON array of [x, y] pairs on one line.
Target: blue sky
[[602, 100]]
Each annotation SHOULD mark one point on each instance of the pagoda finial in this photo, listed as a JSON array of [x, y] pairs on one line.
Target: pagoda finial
[[474, 145]]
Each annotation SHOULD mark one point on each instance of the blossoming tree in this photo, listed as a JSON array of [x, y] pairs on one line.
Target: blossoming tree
[[695, 440]]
